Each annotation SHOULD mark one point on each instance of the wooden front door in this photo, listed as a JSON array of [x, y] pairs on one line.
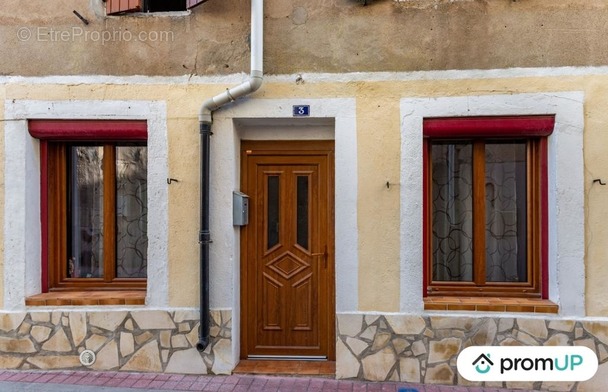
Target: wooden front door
[[287, 267]]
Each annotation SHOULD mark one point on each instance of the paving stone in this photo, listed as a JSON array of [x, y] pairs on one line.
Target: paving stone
[[486, 333], [25, 328], [369, 333], [153, 319], [107, 357], [440, 374], [597, 329], [443, 350], [127, 344], [186, 315], [578, 332], [108, 320], [562, 325], [505, 324], [510, 342], [142, 338], [377, 366], [17, 345], [400, 345], [533, 327], [10, 362], [179, 341], [520, 385], [58, 342], [371, 318], [356, 345], [11, 321], [165, 339], [41, 333], [350, 324], [65, 321], [192, 336], [55, 361], [95, 342], [186, 362], [56, 317], [347, 366], [78, 327], [418, 348], [586, 343], [526, 339], [409, 369], [129, 325], [40, 317], [381, 340], [183, 327], [164, 355], [405, 324], [451, 322], [146, 359], [559, 339], [222, 361], [602, 352]]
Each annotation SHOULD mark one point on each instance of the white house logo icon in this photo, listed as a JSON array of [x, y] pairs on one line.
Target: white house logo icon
[[483, 364]]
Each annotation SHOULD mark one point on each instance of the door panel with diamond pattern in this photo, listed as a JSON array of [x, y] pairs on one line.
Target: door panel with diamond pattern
[[287, 258]]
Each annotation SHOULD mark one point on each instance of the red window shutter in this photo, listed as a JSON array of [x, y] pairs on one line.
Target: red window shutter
[[119, 6], [194, 3]]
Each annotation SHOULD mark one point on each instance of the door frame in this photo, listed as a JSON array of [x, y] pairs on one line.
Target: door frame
[[292, 148]]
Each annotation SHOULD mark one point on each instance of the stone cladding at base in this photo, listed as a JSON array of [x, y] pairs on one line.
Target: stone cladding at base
[[424, 349], [135, 340]]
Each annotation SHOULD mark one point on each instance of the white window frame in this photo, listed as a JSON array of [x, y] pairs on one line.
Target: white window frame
[[22, 233]]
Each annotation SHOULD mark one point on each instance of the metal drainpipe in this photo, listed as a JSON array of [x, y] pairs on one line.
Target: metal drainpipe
[[205, 121]]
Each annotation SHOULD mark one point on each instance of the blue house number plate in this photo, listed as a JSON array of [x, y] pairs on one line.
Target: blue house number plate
[[301, 110]]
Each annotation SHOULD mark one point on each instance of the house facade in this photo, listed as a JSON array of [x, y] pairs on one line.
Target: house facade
[[411, 178]]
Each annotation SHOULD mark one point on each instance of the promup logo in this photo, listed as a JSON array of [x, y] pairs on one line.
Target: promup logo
[[483, 364], [558, 363]]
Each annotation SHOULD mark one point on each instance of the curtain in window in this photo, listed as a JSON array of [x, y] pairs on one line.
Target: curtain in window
[[452, 204]]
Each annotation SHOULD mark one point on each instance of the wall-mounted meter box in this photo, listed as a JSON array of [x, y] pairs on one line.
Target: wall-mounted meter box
[[240, 209]]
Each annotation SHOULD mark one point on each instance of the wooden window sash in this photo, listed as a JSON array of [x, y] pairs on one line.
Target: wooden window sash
[[534, 258], [58, 222], [123, 6]]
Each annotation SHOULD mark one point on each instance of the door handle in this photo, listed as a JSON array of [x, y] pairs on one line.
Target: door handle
[[324, 254]]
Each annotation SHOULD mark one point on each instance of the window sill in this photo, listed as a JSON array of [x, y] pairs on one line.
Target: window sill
[[491, 304], [84, 298]]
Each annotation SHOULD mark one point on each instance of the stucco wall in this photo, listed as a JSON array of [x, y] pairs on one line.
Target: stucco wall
[[304, 36], [378, 139]]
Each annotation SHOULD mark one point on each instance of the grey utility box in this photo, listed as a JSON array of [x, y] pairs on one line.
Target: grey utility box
[[240, 209]]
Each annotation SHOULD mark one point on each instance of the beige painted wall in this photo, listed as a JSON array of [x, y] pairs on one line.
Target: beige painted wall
[[378, 127], [304, 36]]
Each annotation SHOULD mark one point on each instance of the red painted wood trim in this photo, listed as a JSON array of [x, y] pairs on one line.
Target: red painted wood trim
[[463, 127], [89, 130], [544, 220], [44, 216], [425, 218]]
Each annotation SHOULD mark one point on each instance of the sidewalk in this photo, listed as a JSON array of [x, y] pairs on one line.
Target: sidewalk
[[82, 381]]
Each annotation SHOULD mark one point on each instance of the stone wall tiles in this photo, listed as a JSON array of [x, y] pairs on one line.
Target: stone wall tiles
[[141, 340], [424, 348]]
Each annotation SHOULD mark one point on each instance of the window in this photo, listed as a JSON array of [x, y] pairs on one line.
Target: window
[[485, 206], [94, 203], [126, 6]]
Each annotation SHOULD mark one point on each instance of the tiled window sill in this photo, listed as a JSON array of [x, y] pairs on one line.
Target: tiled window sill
[[491, 304], [84, 298]]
